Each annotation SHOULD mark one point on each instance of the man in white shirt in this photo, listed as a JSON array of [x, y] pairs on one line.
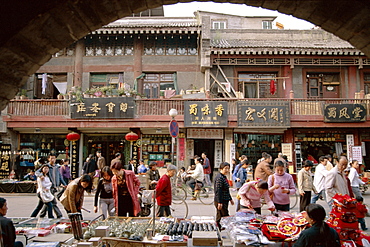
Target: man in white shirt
[[336, 182], [355, 179], [196, 176], [319, 179]]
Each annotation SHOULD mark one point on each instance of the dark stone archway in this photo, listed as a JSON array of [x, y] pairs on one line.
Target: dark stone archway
[[34, 30]]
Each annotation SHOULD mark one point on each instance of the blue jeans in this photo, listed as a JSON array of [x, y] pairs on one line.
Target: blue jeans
[[316, 197], [40, 205]]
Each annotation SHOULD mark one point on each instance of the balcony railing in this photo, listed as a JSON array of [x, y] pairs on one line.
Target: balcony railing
[[160, 107]]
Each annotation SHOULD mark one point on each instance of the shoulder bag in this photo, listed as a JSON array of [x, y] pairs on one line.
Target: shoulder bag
[[46, 196]]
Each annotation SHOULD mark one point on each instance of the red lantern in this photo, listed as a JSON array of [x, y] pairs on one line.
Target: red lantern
[[73, 137], [131, 137]]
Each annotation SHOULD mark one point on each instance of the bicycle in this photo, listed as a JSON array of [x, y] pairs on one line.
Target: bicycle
[[179, 208], [205, 195]]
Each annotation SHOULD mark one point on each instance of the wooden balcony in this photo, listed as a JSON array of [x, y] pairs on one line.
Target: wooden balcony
[[161, 107]]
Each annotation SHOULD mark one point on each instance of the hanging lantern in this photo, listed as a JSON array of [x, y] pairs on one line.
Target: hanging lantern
[[131, 137], [73, 137]]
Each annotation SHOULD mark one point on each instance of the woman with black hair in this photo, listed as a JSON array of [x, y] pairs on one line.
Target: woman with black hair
[[222, 193], [43, 186], [104, 191], [319, 234], [73, 198], [251, 194]]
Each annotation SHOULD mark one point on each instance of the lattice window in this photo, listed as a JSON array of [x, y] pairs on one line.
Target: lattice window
[[109, 45], [171, 45], [154, 83], [367, 83]]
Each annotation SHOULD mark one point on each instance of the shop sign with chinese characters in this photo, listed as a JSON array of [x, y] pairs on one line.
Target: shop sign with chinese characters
[[74, 159], [205, 114], [264, 114], [344, 113], [5, 161], [112, 107]]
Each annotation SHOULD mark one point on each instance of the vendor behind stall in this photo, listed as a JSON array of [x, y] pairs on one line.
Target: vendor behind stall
[[7, 236], [320, 234]]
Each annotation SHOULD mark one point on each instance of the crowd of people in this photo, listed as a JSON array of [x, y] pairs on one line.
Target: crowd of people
[[117, 187]]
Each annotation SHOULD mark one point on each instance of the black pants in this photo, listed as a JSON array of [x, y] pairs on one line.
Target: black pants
[[163, 211], [221, 213], [280, 207], [192, 183], [304, 200]]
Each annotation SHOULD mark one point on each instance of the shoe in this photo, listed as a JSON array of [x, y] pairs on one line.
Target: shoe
[[365, 229], [193, 198], [321, 198]]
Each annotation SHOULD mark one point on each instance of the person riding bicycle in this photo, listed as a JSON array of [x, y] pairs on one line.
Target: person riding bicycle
[[196, 178]]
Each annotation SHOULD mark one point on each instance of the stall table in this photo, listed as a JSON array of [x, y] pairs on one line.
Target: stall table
[[18, 187]]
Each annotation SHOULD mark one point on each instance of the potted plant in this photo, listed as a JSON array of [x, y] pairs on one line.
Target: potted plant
[[24, 94], [161, 94], [87, 93], [60, 96], [18, 96], [121, 92]]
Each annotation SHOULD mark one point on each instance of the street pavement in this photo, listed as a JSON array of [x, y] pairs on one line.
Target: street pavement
[[23, 204]]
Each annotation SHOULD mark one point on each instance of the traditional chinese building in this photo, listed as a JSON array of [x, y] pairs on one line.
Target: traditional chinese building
[[239, 86]]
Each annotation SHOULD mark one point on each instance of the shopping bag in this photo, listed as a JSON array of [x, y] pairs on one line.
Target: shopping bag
[[46, 196]]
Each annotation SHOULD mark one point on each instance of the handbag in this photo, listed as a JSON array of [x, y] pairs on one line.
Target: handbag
[[46, 196]]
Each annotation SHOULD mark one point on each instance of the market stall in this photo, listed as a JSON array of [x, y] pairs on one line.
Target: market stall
[[12, 186]]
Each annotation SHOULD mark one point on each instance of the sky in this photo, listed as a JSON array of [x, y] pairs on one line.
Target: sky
[[187, 10]]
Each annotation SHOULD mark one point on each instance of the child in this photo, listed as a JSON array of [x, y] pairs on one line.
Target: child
[[361, 212]]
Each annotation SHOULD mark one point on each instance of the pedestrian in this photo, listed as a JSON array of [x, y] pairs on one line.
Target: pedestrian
[[89, 166], [164, 192], [117, 159], [320, 233], [65, 170], [125, 188], [336, 182], [251, 194], [361, 211], [236, 168], [153, 175], [56, 180], [281, 158], [222, 193], [141, 168], [263, 170], [131, 165], [196, 178], [354, 178], [181, 174], [100, 160], [7, 235], [104, 192], [281, 185], [329, 164], [241, 176], [319, 179], [207, 169], [43, 187], [305, 185], [73, 198]]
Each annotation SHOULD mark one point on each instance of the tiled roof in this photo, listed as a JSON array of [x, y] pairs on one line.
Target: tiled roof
[[153, 22]]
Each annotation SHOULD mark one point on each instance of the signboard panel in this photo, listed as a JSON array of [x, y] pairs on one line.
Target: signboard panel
[[338, 113], [205, 113], [357, 154], [112, 107], [5, 160], [287, 149], [205, 133], [264, 114]]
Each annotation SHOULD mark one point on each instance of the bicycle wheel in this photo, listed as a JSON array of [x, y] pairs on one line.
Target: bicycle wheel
[[179, 209], [206, 196], [294, 200], [179, 193]]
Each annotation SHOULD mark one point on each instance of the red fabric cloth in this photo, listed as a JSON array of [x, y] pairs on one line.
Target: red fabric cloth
[[163, 191], [350, 188], [133, 185], [360, 210], [272, 87]]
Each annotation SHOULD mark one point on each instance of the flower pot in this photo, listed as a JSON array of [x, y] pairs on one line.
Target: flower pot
[[17, 97], [59, 96], [23, 97]]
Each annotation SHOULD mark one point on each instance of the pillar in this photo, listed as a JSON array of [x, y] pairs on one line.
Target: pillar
[[287, 72], [78, 66], [138, 63]]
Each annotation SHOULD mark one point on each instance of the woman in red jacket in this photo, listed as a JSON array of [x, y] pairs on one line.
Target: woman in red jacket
[[125, 187], [164, 193]]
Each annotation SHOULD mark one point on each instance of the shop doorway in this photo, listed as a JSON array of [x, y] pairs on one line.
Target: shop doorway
[[207, 146], [109, 145]]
